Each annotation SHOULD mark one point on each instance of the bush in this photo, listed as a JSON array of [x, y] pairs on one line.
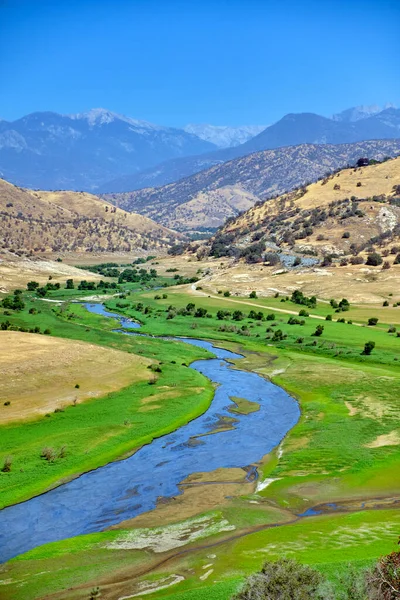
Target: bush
[[374, 259], [270, 317], [253, 294], [227, 294], [384, 580], [319, 330], [368, 347], [7, 464], [304, 313], [346, 235], [282, 580], [328, 318], [372, 321], [386, 303]]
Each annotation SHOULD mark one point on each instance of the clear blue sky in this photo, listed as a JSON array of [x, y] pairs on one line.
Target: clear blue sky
[[222, 62]]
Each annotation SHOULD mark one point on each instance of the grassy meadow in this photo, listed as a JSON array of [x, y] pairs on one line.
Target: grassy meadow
[[345, 448]]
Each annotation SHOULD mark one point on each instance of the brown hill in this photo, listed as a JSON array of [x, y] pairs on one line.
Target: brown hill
[[37, 221], [342, 214], [207, 198]]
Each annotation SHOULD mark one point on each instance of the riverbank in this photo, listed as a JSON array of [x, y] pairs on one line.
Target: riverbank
[[343, 448]]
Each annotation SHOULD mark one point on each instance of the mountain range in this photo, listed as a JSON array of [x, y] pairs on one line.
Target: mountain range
[[204, 200], [80, 152], [102, 151], [291, 130]]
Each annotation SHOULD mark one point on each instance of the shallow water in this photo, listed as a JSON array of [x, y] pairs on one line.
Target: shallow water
[[123, 489]]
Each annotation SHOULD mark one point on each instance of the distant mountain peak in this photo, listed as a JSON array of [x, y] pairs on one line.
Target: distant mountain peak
[[224, 136], [103, 116], [357, 113]]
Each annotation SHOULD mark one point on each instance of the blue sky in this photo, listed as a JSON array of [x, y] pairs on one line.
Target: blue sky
[[222, 62]]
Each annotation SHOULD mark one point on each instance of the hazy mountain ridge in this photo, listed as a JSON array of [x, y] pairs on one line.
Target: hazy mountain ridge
[[224, 136], [291, 130], [52, 151], [250, 178]]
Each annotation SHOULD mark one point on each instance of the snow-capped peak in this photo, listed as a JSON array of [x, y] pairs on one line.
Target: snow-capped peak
[[357, 113], [102, 116], [224, 136]]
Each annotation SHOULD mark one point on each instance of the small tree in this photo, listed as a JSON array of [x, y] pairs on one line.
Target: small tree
[[253, 294], [283, 579], [373, 321], [368, 347], [319, 330], [374, 259]]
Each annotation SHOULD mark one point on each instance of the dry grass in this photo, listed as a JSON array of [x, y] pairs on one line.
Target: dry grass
[[361, 183], [360, 284], [39, 373], [16, 272], [37, 221]]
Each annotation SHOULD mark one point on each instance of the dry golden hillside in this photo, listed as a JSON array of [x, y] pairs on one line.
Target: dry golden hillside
[[343, 214], [36, 221]]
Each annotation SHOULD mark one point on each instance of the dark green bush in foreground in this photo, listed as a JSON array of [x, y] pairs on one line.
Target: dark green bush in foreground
[[286, 579]]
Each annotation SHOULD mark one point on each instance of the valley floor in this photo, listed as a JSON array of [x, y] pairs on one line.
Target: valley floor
[[328, 494]]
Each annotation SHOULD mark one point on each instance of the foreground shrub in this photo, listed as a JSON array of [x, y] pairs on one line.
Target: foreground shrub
[[384, 580], [282, 580]]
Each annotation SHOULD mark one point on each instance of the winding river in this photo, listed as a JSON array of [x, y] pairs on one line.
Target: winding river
[[124, 489]]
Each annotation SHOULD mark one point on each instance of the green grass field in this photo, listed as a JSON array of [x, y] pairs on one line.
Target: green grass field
[[346, 446]]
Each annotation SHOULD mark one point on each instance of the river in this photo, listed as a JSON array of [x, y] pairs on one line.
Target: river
[[124, 489]]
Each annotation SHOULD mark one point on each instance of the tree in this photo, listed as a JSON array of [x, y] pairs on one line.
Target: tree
[[32, 286], [368, 347], [282, 580], [319, 330], [374, 259], [373, 321], [253, 294], [69, 284]]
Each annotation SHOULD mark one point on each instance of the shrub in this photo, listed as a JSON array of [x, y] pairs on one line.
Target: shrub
[[384, 580], [373, 321], [319, 330], [48, 454], [368, 347], [278, 336], [270, 317], [328, 318], [227, 294], [7, 464], [304, 313], [253, 294], [386, 303], [346, 235], [281, 580], [374, 259], [356, 260]]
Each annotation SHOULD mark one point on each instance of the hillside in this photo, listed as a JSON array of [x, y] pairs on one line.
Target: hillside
[[342, 214], [207, 198], [37, 221], [52, 151], [291, 130]]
